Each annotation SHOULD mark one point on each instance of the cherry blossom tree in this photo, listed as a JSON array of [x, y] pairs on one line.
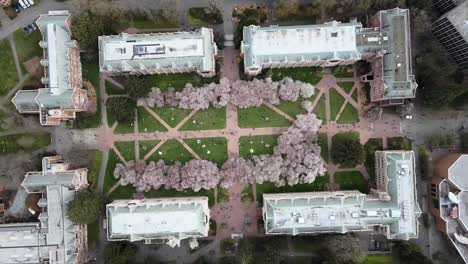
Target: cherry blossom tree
[[199, 174], [268, 168], [236, 170]]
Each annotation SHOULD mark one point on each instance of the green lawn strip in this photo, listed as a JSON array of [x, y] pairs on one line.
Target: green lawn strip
[[293, 108], [159, 23], [111, 89], [223, 195], [109, 179], [178, 80], [320, 184], [208, 119], [310, 75], [23, 142], [162, 192], [351, 180], [146, 146], [247, 193], [336, 101], [122, 192], [371, 146], [260, 117], [171, 151], [94, 167], [93, 233], [349, 115], [27, 45], [212, 149], [196, 21], [323, 143], [147, 123], [8, 75], [90, 69], [258, 144], [346, 86], [380, 259], [171, 115], [355, 95], [343, 72], [33, 82], [399, 143], [127, 149], [320, 110]]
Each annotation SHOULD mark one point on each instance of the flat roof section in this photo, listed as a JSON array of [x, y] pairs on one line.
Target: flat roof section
[[459, 19], [400, 50]]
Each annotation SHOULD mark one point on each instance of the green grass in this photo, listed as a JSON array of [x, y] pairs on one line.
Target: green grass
[[208, 119], [336, 101], [121, 128], [346, 86], [109, 179], [355, 95], [399, 143], [172, 151], [122, 192], [223, 195], [323, 143], [259, 144], [160, 23], [111, 89], [93, 233], [32, 81], [247, 193], [90, 70], [260, 117], [171, 115], [380, 259], [8, 74], [27, 45], [310, 75], [162, 192], [292, 108], [146, 146], [320, 110], [351, 180], [94, 167], [196, 21], [147, 123], [178, 80], [127, 149], [343, 72], [320, 184], [217, 148], [349, 115], [23, 142]]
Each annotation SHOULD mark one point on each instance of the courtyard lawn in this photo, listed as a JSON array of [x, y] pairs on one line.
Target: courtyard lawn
[[212, 149], [336, 101], [320, 184], [310, 75], [260, 117], [343, 71], [351, 180], [208, 119], [8, 74], [346, 86], [256, 145], [171, 115], [111, 89], [94, 167], [162, 192], [177, 80], [293, 108], [323, 143], [146, 146], [122, 192], [23, 142], [320, 110], [109, 179], [127, 149], [380, 259], [349, 115], [93, 233], [355, 95], [171, 151], [147, 123], [27, 45]]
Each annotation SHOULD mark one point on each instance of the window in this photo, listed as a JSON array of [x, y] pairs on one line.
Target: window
[[334, 34]]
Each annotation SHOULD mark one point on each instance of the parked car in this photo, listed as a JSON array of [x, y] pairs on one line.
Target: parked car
[[17, 7], [30, 28], [406, 117], [23, 4]]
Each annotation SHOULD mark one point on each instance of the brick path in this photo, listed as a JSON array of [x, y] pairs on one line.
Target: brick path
[[235, 216]]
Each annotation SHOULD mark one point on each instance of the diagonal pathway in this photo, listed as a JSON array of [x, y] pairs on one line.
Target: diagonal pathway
[[185, 119], [157, 117], [189, 149], [279, 112], [154, 149]]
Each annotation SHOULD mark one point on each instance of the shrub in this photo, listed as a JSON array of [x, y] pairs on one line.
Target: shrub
[[86, 207], [347, 150], [424, 162], [121, 108]]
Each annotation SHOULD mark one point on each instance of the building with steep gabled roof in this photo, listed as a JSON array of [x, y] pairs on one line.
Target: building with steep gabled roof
[[62, 95], [54, 239]]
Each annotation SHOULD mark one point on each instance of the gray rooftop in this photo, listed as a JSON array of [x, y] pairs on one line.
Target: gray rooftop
[[348, 211], [459, 19], [127, 52]]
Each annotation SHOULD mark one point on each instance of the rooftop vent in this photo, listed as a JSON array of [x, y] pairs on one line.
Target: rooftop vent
[[334, 34]]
